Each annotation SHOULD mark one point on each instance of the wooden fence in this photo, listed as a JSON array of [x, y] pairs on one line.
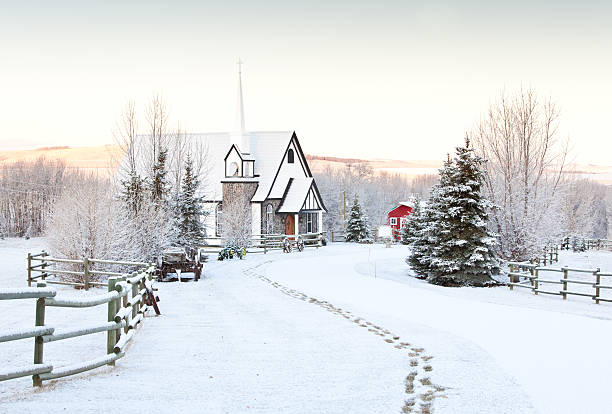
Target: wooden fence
[[531, 275], [126, 309], [340, 236], [587, 244], [82, 274], [263, 243]]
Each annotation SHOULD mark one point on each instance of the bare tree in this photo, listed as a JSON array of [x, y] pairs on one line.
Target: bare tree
[[125, 136], [526, 160], [235, 216], [156, 116]]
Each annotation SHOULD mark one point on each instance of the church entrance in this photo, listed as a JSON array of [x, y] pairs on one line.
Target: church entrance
[[290, 224]]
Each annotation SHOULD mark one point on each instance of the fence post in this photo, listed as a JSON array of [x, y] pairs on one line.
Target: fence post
[[597, 282], [86, 272], [44, 265], [535, 290], [511, 270], [29, 269], [38, 341], [111, 337], [265, 243], [135, 290], [124, 303], [565, 272]]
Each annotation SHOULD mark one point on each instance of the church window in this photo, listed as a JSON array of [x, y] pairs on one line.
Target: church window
[[218, 220], [290, 156], [234, 169], [269, 219]]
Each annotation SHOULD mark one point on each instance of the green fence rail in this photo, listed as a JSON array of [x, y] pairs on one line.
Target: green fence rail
[[125, 299]]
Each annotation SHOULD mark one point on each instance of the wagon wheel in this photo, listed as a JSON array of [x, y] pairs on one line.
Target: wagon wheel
[[286, 245], [300, 244]]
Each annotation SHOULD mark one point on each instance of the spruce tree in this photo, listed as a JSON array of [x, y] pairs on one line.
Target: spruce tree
[[462, 246], [132, 193], [191, 232], [410, 226], [159, 182], [424, 237], [357, 226]]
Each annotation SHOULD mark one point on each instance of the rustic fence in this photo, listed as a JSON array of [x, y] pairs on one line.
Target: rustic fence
[[263, 243], [126, 309], [83, 273], [340, 236], [531, 275], [569, 243]]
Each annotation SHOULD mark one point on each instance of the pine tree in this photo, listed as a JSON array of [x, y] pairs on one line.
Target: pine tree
[[462, 246], [191, 232], [132, 193], [159, 183], [424, 237], [410, 226], [357, 226]]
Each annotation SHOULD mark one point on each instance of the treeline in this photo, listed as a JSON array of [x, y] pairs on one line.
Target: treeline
[[378, 192], [525, 177], [28, 191]]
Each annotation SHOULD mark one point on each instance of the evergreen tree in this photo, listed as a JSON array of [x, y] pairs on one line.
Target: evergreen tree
[[424, 236], [191, 232], [159, 183], [132, 193], [462, 246], [357, 226], [410, 226]]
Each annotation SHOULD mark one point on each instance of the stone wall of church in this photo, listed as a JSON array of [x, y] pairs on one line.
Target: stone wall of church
[[302, 220], [231, 190], [278, 220]]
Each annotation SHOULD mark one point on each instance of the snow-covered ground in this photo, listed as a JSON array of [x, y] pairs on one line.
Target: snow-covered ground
[[332, 330]]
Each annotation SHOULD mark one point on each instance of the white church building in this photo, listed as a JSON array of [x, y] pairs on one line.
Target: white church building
[[272, 168]]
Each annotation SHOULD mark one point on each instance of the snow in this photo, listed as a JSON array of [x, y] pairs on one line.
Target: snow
[[296, 195], [277, 333]]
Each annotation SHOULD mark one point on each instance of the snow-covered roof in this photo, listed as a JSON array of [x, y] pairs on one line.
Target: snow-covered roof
[[408, 203], [266, 149], [295, 195]]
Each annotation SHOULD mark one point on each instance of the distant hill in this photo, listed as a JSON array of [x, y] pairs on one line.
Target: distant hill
[[88, 158], [106, 157]]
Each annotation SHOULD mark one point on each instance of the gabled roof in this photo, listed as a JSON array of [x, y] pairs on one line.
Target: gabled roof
[[267, 148], [297, 191]]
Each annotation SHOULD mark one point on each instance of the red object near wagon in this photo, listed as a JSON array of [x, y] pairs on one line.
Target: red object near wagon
[[396, 218]]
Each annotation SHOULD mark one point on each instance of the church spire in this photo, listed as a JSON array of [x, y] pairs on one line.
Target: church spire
[[240, 109]]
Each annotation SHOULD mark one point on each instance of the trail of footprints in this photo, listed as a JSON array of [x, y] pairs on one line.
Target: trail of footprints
[[420, 391]]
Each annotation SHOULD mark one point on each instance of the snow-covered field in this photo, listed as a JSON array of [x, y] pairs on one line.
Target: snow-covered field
[[332, 330]]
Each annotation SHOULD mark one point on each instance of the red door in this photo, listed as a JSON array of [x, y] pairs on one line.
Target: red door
[[290, 225]]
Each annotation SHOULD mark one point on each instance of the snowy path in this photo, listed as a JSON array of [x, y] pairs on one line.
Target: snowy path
[[277, 333], [229, 344]]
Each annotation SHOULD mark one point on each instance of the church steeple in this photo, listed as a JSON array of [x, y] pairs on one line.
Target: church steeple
[[240, 138], [240, 109]]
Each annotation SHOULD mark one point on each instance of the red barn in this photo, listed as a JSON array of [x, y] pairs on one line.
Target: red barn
[[396, 218]]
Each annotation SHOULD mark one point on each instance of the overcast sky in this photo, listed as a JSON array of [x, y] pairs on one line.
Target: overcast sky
[[401, 80]]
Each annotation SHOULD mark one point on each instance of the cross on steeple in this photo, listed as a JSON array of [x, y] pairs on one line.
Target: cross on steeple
[[240, 106], [239, 63]]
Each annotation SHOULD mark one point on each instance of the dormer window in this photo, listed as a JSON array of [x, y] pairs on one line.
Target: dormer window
[[290, 156]]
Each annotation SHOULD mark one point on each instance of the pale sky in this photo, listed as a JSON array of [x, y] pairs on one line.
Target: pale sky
[[394, 79]]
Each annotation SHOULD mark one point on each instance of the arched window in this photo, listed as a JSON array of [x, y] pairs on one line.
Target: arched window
[[269, 219], [234, 170], [218, 220], [290, 156]]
